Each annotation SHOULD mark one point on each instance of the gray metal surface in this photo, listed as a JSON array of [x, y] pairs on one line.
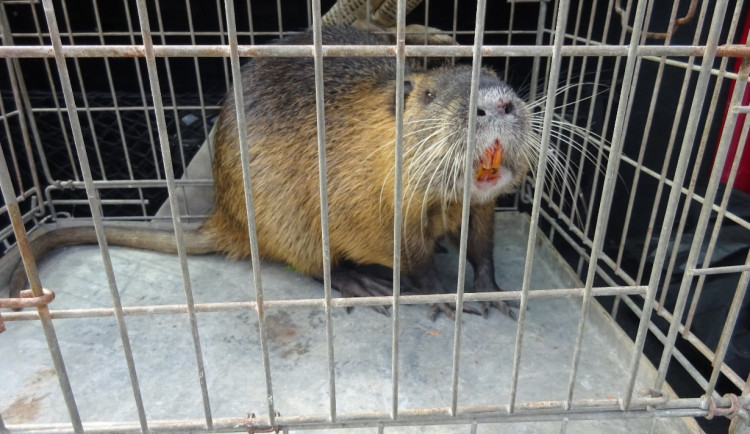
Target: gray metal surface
[[164, 356]]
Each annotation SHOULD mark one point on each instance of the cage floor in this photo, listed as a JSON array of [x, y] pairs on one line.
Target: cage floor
[[166, 364]]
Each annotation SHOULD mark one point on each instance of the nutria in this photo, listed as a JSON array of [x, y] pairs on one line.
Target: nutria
[[360, 132]]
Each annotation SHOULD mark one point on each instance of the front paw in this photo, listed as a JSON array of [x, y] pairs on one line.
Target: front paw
[[449, 310]]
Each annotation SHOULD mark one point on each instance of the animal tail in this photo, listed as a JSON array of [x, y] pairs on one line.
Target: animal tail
[[137, 236]]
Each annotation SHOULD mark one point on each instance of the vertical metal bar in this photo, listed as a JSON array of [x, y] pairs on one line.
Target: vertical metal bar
[[280, 19], [558, 135], [726, 333], [534, 87], [172, 95], [547, 66], [717, 226], [16, 219], [222, 36], [510, 37], [249, 207], [250, 21], [199, 83], [309, 14], [555, 61], [713, 184], [323, 184], [27, 102], [426, 29], [84, 94], [674, 196], [137, 68], [454, 29], [94, 204], [17, 84], [476, 65], [644, 141], [8, 137], [564, 425], [727, 193], [161, 124], [397, 197], [608, 188], [676, 129], [606, 123], [116, 105], [592, 104], [473, 428]]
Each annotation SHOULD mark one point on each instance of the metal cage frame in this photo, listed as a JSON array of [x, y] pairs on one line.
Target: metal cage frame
[[27, 205]]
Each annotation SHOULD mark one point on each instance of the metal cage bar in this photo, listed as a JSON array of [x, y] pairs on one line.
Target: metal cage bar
[[176, 219], [547, 207], [323, 187], [255, 259], [95, 206]]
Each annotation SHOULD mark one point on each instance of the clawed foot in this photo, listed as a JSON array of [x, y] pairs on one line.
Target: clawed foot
[[502, 306], [352, 283], [449, 310]]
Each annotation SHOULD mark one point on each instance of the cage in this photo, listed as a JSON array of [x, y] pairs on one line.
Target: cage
[[626, 247]]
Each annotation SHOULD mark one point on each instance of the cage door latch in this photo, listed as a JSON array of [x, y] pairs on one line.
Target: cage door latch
[[255, 425], [26, 299]]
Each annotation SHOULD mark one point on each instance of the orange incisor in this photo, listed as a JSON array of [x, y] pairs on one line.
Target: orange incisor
[[489, 167]]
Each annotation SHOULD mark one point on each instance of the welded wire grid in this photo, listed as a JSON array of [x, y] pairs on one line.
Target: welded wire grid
[[600, 101]]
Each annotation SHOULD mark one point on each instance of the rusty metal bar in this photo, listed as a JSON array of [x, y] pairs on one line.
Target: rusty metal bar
[[28, 299], [173, 203], [730, 50], [323, 187], [249, 206], [721, 153], [556, 62], [669, 215], [476, 64], [608, 187], [397, 199], [335, 302], [95, 207], [536, 411]]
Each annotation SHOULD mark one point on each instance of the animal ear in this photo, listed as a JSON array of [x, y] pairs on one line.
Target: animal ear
[[408, 86]]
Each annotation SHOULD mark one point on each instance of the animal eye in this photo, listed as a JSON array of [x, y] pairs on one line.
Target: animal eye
[[429, 96]]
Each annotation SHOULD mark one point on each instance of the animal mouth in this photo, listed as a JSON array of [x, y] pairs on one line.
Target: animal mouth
[[489, 163]]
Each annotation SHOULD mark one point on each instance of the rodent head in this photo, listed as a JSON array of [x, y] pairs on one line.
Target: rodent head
[[436, 120]]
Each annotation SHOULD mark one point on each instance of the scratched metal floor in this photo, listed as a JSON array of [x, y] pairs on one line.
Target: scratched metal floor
[[166, 364]]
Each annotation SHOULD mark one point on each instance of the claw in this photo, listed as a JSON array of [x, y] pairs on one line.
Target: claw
[[449, 310], [471, 310], [514, 303], [382, 310], [433, 312], [503, 307]]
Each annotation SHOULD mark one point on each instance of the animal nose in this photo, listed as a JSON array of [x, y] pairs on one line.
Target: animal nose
[[501, 108], [505, 107]]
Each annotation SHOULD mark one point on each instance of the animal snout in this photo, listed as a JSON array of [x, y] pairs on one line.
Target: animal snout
[[500, 108]]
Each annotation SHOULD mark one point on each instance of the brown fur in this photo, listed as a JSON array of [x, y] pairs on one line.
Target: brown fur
[[282, 136], [279, 105]]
